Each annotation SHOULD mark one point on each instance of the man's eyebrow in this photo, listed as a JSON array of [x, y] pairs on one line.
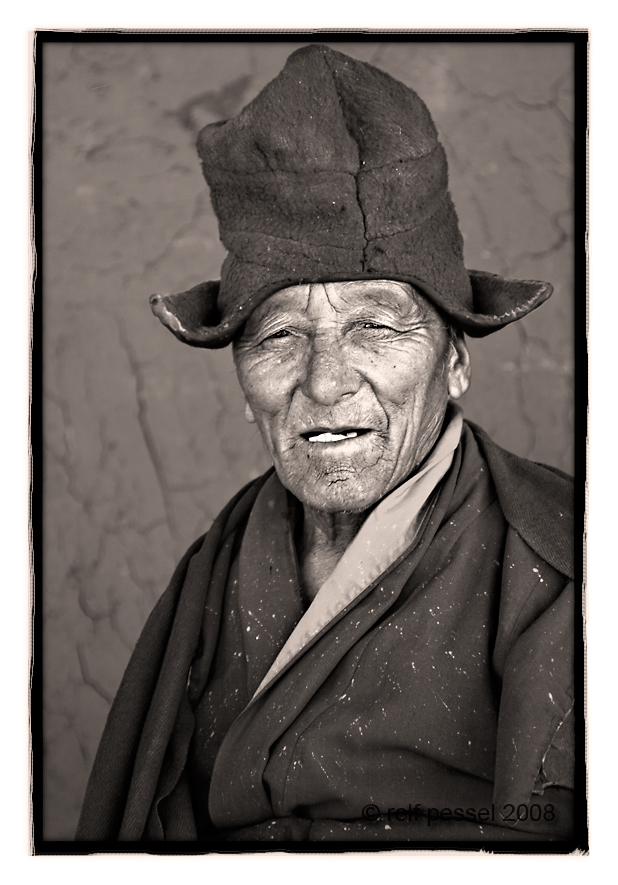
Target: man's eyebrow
[[256, 324]]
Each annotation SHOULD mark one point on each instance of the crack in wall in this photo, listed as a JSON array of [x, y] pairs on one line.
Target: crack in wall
[[502, 264], [115, 619], [222, 103], [160, 259], [72, 728], [222, 409], [553, 217], [146, 430], [89, 679], [66, 459], [145, 585], [552, 104], [492, 245]]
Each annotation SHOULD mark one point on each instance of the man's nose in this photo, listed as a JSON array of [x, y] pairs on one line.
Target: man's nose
[[329, 375]]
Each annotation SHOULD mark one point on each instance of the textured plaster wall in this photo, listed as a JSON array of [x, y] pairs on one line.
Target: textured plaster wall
[[145, 438]]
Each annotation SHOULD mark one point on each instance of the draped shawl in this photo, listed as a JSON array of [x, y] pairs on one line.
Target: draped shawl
[[143, 783]]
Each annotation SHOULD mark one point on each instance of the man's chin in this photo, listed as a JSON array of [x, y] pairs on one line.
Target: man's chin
[[336, 494]]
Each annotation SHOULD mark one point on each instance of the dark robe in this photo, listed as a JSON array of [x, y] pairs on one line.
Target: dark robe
[[438, 705]]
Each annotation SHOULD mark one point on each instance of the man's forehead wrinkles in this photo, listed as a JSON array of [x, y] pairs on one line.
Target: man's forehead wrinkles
[[341, 299], [384, 293], [375, 286]]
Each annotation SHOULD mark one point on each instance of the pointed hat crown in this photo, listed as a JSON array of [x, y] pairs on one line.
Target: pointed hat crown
[[334, 172]]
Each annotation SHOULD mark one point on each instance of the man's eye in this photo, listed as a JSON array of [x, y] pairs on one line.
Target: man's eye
[[282, 333], [376, 326]]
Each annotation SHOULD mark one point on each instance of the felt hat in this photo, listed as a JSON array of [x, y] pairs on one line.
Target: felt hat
[[334, 172]]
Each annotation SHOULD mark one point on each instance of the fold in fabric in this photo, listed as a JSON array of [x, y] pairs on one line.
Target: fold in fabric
[[389, 529]]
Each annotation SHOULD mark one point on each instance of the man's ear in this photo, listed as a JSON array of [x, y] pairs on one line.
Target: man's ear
[[249, 414], [459, 367]]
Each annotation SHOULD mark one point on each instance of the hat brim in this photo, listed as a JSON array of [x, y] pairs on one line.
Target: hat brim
[[194, 318]]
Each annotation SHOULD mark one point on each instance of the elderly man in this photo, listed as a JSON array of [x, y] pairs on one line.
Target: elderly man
[[374, 640]]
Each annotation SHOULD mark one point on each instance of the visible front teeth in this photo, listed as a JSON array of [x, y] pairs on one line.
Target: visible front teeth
[[332, 437]]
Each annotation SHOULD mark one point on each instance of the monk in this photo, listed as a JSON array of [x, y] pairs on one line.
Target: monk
[[374, 641]]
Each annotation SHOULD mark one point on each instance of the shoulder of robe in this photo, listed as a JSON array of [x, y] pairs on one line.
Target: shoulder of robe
[[235, 511], [537, 501]]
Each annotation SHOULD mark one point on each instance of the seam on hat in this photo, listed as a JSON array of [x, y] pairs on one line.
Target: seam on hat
[[270, 171], [409, 230], [363, 216], [421, 157], [368, 239], [353, 174]]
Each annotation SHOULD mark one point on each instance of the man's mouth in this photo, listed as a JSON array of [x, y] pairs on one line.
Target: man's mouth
[[321, 435]]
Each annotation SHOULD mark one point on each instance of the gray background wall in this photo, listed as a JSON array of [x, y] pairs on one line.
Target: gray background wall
[[145, 438]]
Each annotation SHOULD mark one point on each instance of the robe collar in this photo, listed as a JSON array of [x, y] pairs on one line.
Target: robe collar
[[388, 531]]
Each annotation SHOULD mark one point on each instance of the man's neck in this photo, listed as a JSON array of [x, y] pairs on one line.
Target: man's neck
[[324, 539]]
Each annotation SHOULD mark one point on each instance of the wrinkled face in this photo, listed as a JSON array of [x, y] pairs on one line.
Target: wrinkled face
[[348, 383]]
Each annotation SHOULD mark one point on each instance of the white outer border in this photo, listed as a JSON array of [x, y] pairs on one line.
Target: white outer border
[[602, 607]]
